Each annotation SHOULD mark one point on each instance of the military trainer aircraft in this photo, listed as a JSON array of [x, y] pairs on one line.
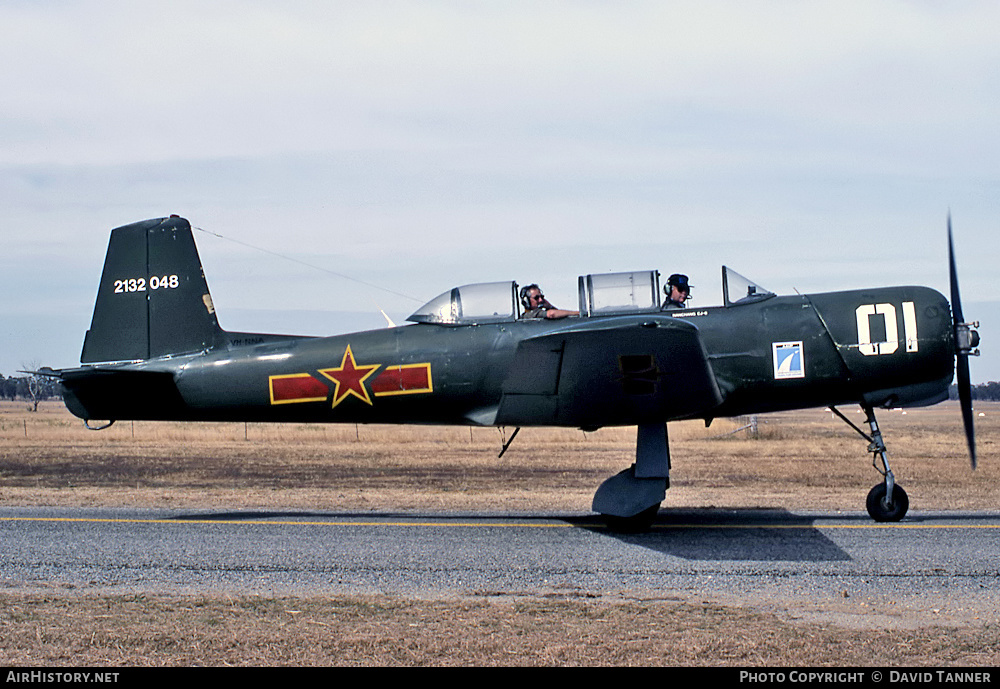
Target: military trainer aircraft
[[155, 351]]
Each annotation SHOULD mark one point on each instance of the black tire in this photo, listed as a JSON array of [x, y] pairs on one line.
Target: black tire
[[878, 510], [637, 523]]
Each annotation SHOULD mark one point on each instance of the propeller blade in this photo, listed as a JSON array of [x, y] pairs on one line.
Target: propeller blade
[[965, 400], [956, 300], [961, 357]]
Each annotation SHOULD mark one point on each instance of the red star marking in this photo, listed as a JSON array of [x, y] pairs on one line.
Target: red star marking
[[350, 379]]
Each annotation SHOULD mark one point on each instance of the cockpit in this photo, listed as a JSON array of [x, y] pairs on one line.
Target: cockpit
[[601, 294]]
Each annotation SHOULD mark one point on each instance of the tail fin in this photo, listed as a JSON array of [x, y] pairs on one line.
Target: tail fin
[[153, 299]]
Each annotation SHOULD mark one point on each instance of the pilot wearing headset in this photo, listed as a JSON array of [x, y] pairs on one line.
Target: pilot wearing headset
[[677, 290], [537, 306]]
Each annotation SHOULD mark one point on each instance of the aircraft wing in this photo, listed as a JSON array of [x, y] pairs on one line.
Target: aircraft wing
[[615, 371]]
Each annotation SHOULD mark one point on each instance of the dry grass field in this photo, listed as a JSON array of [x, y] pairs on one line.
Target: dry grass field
[[804, 460], [800, 461]]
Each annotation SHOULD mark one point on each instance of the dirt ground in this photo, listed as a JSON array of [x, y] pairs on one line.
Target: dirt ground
[[804, 460]]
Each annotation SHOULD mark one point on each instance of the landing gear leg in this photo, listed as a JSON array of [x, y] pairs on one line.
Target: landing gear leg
[[630, 500], [887, 501]]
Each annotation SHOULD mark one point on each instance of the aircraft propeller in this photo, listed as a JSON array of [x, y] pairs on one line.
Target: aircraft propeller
[[966, 339]]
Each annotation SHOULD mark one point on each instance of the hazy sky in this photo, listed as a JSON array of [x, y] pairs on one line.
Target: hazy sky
[[420, 145]]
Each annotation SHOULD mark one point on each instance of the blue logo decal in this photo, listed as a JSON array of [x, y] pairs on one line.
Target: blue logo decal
[[788, 360]]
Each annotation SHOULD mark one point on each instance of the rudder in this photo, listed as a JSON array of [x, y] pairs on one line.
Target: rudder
[[153, 299]]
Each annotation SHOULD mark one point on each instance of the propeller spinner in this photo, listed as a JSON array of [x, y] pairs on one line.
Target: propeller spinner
[[966, 341]]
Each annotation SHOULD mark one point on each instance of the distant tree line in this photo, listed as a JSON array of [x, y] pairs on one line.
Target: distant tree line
[[31, 388], [982, 391]]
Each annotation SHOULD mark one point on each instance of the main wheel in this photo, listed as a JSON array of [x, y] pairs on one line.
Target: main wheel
[[881, 512], [637, 523]]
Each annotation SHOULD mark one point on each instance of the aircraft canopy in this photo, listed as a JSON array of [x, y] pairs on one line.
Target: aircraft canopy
[[608, 293], [737, 289], [485, 302], [601, 294]]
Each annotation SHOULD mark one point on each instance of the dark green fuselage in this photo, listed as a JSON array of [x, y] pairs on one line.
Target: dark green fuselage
[[579, 371]]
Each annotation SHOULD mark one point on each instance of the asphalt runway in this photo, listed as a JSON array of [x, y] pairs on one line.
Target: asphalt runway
[[935, 558]]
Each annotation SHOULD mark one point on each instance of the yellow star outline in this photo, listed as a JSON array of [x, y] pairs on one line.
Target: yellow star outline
[[349, 379]]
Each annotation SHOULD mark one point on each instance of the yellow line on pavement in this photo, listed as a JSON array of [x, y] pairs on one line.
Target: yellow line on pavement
[[487, 523]]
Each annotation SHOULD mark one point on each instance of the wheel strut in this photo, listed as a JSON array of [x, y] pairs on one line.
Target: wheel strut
[[887, 502], [630, 500]]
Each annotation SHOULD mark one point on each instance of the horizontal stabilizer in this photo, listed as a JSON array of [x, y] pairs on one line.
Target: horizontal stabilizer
[[101, 393]]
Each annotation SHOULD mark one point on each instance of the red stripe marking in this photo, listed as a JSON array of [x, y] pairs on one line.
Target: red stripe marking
[[297, 387], [399, 379]]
